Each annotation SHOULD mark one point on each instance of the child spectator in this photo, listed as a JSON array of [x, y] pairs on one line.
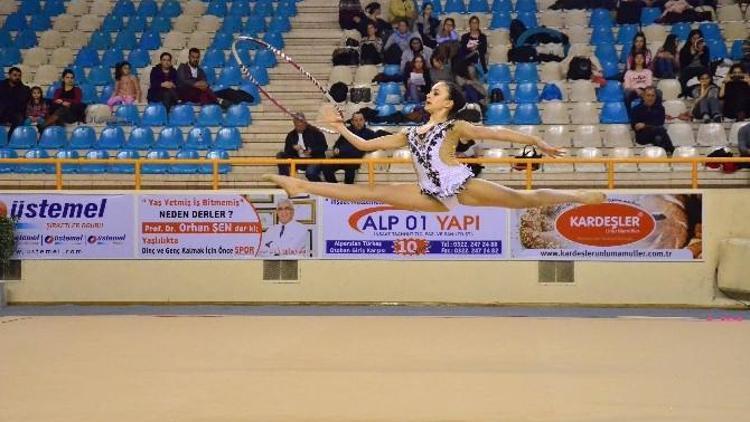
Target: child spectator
[[37, 109], [127, 87]]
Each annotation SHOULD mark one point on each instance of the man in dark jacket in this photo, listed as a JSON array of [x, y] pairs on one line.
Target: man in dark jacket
[[304, 141], [647, 119], [14, 96], [343, 149], [191, 81]]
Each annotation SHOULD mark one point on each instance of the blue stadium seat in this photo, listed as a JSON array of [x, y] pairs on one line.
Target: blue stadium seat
[[53, 137], [209, 115], [606, 51], [526, 6], [391, 69], [161, 24], [613, 113], [30, 7], [240, 8], [54, 7], [222, 41], [500, 20], [95, 154], [289, 8], [125, 40], [36, 168], [150, 40], [23, 137], [126, 154], [252, 90], [139, 58], [611, 92], [107, 91], [3, 136], [498, 73], [230, 75], [214, 58], [681, 29], [10, 56], [185, 154], [210, 75], [501, 6], [710, 31], [389, 93], [737, 52], [231, 25], [602, 35], [141, 138], [498, 114], [625, 53], [127, 114], [478, 6], [274, 39], [280, 23], [627, 33], [228, 138], [26, 39], [385, 109], [600, 17], [649, 15], [147, 8], [169, 138], [55, 85], [526, 72], [40, 23], [83, 137], [136, 24], [238, 115], [181, 115], [216, 154], [8, 167], [124, 8], [170, 9], [244, 51], [70, 154], [527, 114], [610, 69], [87, 57], [100, 40], [263, 8], [265, 58], [112, 137], [154, 115], [528, 19], [5, 39], [100, 75], [198, 138], [527, 92], [217, 8], [454, 6], [112, 23], [717, 50], [15, 22], [111, 57], [156, 154]]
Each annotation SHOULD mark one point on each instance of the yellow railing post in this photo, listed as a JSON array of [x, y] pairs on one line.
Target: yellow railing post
[[528, 175], [293, 169], [58, 175], [694, 173], [137, 170], [215, 175]]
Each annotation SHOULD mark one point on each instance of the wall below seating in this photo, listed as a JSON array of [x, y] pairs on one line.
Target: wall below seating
[[503, 282]]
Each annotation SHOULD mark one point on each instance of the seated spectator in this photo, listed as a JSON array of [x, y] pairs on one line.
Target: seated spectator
[[401, 37], [37, 109], [647, 119], [629, 11], [417, 80], [636, 79], [191, 81], [371, 46], [403, 10], [163, 88], [439, 69], [372, 13], [351, 14], [735, 92], [127, 88], [474, 90], [639, 46], [447, 32], [665, 64], [14, 97], [343, 149], [304, 141], [427, 25], [679, 11], [694, 58], [67, 105], [706, 94], [416, 48], [474, 45]]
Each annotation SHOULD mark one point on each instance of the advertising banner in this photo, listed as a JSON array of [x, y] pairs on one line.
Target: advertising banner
[[636, 227], [370, 230], [224, 226], [58, 226]]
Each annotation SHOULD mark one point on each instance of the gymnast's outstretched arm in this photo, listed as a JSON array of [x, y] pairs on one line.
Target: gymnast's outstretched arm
[[329, 116], [467, 130]]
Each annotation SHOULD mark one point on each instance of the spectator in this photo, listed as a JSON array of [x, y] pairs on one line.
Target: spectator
[[401, 37], [647, 120], [665, 64], [403, 10], [447, 32], [639, 46], [372, 12], [636, 79], [287, 238], [743, 141], [67, 105], [417, 79], [439, 69], [693, 58], [427, 25], [746, 55], [706, 94], [371, 46], [191, 81], [343, 149], [678, 11], [304, 141], [37, 109], [163, 79], [474, 45], [474, 90], [735, 92], [14, 96], [351, 15], [416, 48], [127, 88]]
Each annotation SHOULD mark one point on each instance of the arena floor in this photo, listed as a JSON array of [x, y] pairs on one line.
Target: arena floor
[[372, 364]]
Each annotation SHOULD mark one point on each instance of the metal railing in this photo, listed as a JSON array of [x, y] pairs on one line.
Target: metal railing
[[370, 163]]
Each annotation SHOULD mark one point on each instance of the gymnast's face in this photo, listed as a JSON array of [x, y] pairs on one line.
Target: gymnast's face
[[438, 99]]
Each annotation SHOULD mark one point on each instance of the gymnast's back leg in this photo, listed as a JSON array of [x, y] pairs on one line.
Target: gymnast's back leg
[[483, 193]]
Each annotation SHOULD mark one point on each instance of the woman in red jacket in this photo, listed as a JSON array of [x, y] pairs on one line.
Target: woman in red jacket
[[66, 105]]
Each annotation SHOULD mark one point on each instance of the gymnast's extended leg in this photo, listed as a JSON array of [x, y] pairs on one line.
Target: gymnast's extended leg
[[483, 193]]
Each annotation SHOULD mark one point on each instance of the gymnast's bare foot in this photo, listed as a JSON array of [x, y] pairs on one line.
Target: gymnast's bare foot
[[591, 197], [292, 186]]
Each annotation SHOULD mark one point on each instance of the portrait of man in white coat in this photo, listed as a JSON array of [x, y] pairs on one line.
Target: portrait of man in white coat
[[287, 238]]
